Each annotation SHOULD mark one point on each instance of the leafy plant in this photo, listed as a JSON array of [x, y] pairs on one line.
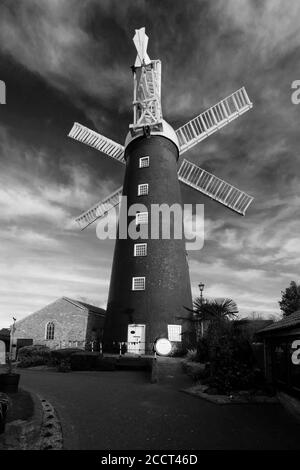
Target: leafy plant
[[215, 309], [229, 359], [208, 311], [192, 355], [232, 362]]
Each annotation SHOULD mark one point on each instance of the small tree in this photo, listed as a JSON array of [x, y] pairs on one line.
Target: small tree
[[290, 300], [216, 313], [219, 312]]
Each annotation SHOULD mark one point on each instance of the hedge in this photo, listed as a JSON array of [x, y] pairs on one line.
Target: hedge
[[90, 361], [61, 358], [35, 355]]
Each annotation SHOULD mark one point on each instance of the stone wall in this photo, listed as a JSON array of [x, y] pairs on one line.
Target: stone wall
[[70, 325]]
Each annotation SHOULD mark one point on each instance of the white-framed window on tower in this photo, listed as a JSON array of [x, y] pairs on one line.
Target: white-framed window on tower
[[144, 162], [174, 333], [140, 249], [138, 283], [143, 189], [141, 218]]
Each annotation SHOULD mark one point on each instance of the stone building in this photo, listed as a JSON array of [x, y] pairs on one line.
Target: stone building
[[63, 323]]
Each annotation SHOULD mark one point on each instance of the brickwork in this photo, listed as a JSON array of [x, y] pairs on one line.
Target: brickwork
[[165, 267]]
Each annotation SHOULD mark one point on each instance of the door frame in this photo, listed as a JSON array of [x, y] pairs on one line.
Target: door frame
[[140, 347]]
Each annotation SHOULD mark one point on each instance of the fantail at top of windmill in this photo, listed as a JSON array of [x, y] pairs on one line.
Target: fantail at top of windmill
[[147, 113], [147, 119]]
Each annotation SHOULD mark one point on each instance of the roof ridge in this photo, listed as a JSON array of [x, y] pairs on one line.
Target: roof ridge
[[285, 322], [77, 303], [86, 305], [37, 311]]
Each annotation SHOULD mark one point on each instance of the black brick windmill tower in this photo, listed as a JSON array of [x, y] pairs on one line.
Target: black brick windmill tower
[[150, 279]]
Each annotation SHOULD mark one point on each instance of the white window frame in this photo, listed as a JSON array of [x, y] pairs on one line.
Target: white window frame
[[139, 278], [144, 162], [143, 246], [141, 219], [174, 333], [143, 189]]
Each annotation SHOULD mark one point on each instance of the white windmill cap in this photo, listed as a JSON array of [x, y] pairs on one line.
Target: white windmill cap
[[166, 131]]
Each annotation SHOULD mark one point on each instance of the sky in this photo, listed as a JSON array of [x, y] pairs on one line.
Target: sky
[[69, 60]]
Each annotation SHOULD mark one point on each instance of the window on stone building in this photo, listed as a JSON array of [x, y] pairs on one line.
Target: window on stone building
[[50, 330]]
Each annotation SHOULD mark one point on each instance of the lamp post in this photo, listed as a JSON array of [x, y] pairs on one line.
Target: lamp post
[[201, 288], [11, 340]]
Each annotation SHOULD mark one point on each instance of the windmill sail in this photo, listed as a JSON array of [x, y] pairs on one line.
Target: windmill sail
[[213, 119], [93, 139], [214, 187], [99, 210]]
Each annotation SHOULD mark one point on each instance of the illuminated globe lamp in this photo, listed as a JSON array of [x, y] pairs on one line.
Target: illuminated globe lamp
[[163, 347]]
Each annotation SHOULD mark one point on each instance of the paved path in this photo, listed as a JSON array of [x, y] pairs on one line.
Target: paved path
[[122, 410]]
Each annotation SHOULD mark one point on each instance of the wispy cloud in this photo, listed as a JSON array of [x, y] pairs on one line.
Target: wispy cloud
[[45, 37]]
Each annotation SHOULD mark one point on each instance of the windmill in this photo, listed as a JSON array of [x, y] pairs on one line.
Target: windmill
[[150, 278]]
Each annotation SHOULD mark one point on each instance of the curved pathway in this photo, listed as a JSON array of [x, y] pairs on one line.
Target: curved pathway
[[123, 410]]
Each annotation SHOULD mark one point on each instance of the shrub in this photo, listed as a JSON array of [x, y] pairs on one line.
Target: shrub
[[64, 366], [5, 404], [191, 355], [34, 355], [232, 363], [90, 361], [235, 377], [195, 370], [203, 350], [61, 358], [178, 350]]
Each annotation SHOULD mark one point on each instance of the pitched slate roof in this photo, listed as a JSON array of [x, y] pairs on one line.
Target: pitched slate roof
[[287, 322]]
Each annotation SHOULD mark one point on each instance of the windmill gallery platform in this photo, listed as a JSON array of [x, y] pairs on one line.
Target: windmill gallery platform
[[150, 284]]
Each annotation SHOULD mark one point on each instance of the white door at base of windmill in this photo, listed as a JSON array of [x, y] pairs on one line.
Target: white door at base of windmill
[[136, 339]]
